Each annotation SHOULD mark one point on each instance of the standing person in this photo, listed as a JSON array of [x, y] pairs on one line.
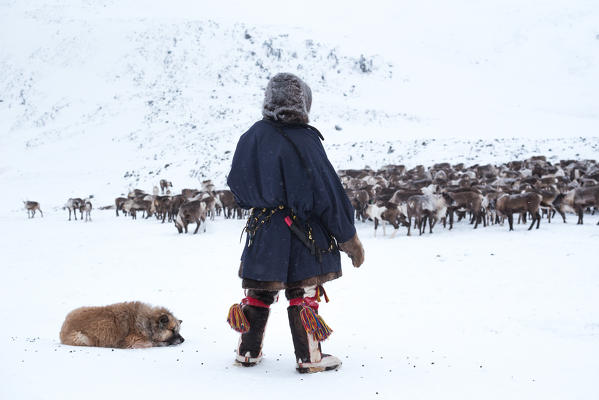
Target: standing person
[[300, 219]]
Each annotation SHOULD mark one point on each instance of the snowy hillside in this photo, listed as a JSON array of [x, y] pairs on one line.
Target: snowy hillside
[[151, 95], [97, 97]]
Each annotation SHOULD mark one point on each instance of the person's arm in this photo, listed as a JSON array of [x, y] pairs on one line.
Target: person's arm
[[336, 213], [332, 206]]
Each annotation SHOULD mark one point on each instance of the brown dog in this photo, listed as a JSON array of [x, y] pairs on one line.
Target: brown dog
[[130, 325]]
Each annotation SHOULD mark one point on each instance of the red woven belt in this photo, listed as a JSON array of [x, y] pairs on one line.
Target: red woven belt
[[250, 301], [307, 301]]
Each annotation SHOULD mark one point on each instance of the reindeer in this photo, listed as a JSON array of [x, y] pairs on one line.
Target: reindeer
[[468, 200], [401, 196], [132, 206], [127, 208], [162, 206], [577, 200], [549, 195], [164, 185], [207, 186], [508, 204], [147, 197], [136, 194], [147, 207], [439, 204], [118, 203], [390, 213], [375, 213], [489, 203], [73, 205], [176, 202], [211, 201], [193, 211], [360, 199], [31, 207], [426, 206], [228, 203], [86, 207], [417, 208], [211, 204], [190, 193]]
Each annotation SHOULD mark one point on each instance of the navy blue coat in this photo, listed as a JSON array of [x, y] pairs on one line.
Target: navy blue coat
[[267, 172]]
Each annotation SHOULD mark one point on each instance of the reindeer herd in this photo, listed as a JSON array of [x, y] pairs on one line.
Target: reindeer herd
[[414, 198], [191, 206], [486, 194]]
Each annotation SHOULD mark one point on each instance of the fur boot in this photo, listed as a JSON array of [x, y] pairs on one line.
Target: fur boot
[[307, 349], [249, 350]]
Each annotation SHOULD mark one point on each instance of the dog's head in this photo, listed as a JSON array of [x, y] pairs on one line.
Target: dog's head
[[165, 329]]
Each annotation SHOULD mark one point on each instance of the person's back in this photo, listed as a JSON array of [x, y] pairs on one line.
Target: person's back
[[300, 219]]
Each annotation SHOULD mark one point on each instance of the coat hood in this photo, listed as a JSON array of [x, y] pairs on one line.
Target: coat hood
[[287, 99]]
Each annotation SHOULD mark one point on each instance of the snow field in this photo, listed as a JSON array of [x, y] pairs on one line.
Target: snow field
[[462, 314]]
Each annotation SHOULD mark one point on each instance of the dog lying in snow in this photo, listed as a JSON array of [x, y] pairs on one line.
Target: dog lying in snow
[[130, 325]]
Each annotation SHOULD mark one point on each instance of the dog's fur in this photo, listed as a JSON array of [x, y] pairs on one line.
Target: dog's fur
[[130, 325]]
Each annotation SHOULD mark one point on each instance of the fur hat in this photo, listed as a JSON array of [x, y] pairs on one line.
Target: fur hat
[[287, 99]]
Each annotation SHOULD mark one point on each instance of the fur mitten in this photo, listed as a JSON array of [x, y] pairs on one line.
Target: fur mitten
[[355, 251]]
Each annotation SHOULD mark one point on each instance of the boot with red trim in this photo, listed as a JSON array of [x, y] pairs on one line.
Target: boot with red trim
[[308, 330], [254, 316]]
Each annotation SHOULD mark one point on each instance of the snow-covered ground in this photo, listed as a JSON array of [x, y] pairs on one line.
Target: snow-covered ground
[[466, 314]]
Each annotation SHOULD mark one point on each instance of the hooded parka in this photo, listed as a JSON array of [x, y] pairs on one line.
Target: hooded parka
[[280, 162]]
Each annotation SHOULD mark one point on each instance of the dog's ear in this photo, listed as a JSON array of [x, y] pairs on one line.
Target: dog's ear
[[163, 320]]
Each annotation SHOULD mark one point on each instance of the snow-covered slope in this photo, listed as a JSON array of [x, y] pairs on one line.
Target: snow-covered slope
[[99, 96]]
